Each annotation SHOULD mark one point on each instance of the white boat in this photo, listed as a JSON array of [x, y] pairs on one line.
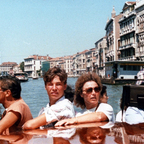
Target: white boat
[[22, 76], [35, 77]]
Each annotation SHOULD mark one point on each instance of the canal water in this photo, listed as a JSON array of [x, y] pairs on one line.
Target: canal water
[[35, 95]]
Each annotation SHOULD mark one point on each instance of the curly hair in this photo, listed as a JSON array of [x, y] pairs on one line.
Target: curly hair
[[78, 100], [55, 71]]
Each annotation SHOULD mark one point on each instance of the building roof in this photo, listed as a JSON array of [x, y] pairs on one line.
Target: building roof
[[37, 57], [57, 59], [8, 64], [127, 4]]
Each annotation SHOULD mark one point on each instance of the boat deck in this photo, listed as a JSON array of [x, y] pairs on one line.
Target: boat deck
[[91, 133]]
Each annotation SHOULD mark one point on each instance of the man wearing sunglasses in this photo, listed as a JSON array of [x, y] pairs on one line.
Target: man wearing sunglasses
[[87, 93]]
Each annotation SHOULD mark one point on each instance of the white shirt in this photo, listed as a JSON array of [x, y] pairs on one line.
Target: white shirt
[[103, 107], [62, 109], [134, 115], [120, 117]]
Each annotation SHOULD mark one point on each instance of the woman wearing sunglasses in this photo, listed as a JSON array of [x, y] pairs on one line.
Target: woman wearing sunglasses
[[87, 93]]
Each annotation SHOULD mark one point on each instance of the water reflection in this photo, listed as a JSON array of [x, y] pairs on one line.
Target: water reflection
[[90, 133], [94, 135]]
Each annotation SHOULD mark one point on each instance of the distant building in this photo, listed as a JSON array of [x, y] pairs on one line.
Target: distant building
[[79, 63], [56, 62], [90, 60], [100, 54], [33, 64], [45, 66], [6, 67], [139, 8], [68, 65], [112, 35], [127, 32]]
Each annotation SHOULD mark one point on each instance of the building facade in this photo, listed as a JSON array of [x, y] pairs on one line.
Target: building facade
[[33, 64], [101, 50], [6, 67], [112, 36], [139, 8], [127, 32]]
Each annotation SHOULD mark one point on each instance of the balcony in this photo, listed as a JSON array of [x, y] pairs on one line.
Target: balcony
[[28, 63], [128, 58], [127, 46]]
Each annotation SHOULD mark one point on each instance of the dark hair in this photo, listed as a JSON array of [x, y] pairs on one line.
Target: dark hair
[[11, 83], [69, 93], [78, 100], [103, 91], [55, 71]]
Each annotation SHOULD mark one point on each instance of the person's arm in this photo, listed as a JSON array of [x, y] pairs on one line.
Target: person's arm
[[35, 123], [11, 138], [8, 120], [86, 118]]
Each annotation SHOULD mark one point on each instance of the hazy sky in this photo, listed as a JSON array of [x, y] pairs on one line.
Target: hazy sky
[[54, 27]]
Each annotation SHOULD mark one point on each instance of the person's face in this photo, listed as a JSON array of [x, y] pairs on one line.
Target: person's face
[[95, 135], [90, 94], [55, 89], [104, 99]]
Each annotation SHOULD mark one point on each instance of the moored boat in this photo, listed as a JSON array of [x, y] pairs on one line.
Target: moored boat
[[35, 77], [22, 76]]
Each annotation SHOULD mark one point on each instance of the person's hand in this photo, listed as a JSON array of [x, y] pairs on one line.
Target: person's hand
[[66, 122]]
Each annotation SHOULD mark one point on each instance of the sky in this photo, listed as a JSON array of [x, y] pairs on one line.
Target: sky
[[54, 27]]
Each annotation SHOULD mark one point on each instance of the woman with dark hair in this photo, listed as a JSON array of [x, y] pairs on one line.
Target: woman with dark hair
[[103, 95], [87, 92]]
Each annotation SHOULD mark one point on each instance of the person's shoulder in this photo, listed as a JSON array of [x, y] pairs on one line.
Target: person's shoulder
[[132, 109], [66, 101], [105, 105]]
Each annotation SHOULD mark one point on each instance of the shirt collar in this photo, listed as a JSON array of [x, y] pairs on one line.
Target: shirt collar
[[62, 98]]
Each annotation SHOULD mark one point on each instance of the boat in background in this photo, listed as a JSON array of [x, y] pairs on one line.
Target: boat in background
[[35, 77], [22, 76]]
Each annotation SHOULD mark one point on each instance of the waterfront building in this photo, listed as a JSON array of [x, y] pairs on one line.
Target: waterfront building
[[32, 64], [45, 66], [90, 60], [112, 36], [79, 63], [68, 65], [127, 65], [15, 69], [100, 55], [56, 62], [127, 32], [139, 8], [74, 65], [6, 67]]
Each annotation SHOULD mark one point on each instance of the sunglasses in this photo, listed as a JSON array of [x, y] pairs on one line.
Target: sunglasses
[[89, 90]]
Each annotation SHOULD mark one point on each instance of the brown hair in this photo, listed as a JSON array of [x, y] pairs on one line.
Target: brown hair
[[55, 71], [78, 100]]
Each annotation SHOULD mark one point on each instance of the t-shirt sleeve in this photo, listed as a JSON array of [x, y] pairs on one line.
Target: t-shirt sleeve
[[107, 110], [61, 110], [19, 108], [134, 115]]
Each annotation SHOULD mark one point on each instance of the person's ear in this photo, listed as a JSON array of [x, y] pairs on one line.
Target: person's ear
[[65, 86], [81, 95], [7, 93]]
